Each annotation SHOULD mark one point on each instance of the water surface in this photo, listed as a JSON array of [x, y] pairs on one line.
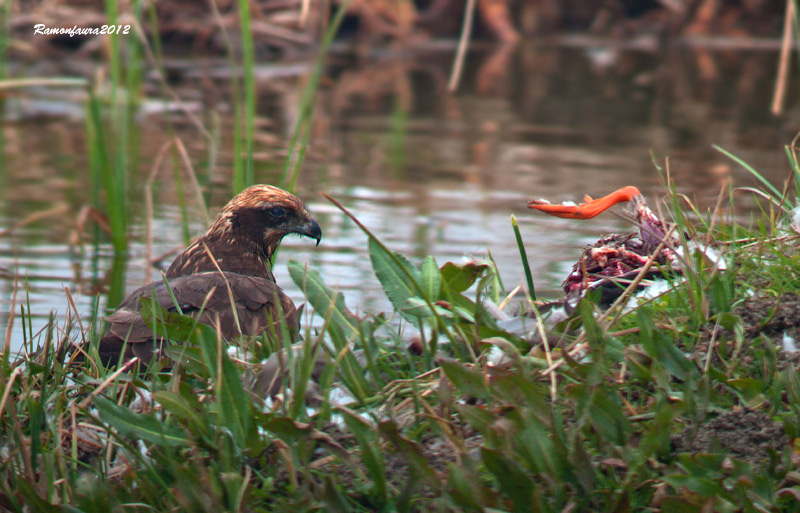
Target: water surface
[[428, 171]]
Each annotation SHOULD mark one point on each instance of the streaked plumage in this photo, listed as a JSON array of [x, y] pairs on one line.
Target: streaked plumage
[[234, 254], [257, 301], [246, 233]]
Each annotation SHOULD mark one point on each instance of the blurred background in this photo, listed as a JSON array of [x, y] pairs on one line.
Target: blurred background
[[433, 121]]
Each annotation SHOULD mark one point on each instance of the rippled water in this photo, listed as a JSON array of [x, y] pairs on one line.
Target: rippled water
[[429, 172]]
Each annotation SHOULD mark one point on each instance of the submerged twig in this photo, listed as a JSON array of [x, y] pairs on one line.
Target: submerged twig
[[36, 216]]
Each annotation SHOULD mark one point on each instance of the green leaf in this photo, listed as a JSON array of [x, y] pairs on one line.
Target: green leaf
[[178, 406], [412, 452], [656, 439], [232, 401], [479, 418], [524, 392], [419, 308], [307, 362], [523, 254], [467, 381], [791, 383], [33, 501], [190, 357], [582, 463], [431, 279], [395, 273], [465, 487], [350, 371], [513, 480], [335, 498], [325, 300], [681, 504], [608, 418], [659, 347], [145, 427], [729, 321], [302, 431], [775, 192], [459, 277], [371, 455], [594, 333], [706, 488], [749, 387], [539, 451]]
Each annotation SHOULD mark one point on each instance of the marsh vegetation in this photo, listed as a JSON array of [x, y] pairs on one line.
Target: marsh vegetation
[[443, 385]]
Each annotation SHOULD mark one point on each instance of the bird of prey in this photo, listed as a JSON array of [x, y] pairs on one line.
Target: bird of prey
[[223, 278]]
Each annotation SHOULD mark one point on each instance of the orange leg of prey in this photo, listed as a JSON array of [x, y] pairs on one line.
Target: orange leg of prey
[[589, 209]]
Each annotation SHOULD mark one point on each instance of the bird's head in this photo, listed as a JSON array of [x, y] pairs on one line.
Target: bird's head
[[264, 214]]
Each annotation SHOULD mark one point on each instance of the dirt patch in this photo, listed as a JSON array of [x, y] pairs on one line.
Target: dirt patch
[[769, 317], [745, 435], [434, 448]]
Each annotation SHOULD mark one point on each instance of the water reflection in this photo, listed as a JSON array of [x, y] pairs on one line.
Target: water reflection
[[430, 172]]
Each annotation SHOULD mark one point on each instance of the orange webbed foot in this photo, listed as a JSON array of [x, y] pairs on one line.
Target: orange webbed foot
[[590, 208]]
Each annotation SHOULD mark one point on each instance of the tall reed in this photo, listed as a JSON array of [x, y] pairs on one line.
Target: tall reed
[[243, 163], [109, 150], [302, 130]]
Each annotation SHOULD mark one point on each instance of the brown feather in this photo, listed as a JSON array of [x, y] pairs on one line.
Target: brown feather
[[244, 235], [259, 305], [235, 253]]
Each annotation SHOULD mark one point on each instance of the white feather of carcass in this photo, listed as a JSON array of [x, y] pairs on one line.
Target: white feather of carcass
[[711, 254], [789, 345], [652, 291], [796, 219]]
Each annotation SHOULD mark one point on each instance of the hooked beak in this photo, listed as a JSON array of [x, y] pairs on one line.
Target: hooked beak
[[311, 229]]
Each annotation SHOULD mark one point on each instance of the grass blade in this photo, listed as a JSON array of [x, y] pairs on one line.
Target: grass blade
[[776, 193], [145, 427], [323, 298], [523, 254]]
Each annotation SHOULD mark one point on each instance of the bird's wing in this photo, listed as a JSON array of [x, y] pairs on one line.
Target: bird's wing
[[234, 303]]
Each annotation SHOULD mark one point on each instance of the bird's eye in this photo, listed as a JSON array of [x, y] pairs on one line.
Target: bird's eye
[[277, 212]]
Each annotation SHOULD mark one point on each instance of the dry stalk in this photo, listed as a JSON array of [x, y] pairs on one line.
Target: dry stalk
[[193, 176], [306, 7], [8, 385], [548, 356], [463, 44], [108, 381], [783, 66], [77, 314]]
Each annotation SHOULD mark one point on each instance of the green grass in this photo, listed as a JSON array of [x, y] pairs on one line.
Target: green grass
[[593, 433], [243, 158], [583, 423], [298, 143]]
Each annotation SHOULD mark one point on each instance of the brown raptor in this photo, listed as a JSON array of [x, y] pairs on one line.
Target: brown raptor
[[227, 269]]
